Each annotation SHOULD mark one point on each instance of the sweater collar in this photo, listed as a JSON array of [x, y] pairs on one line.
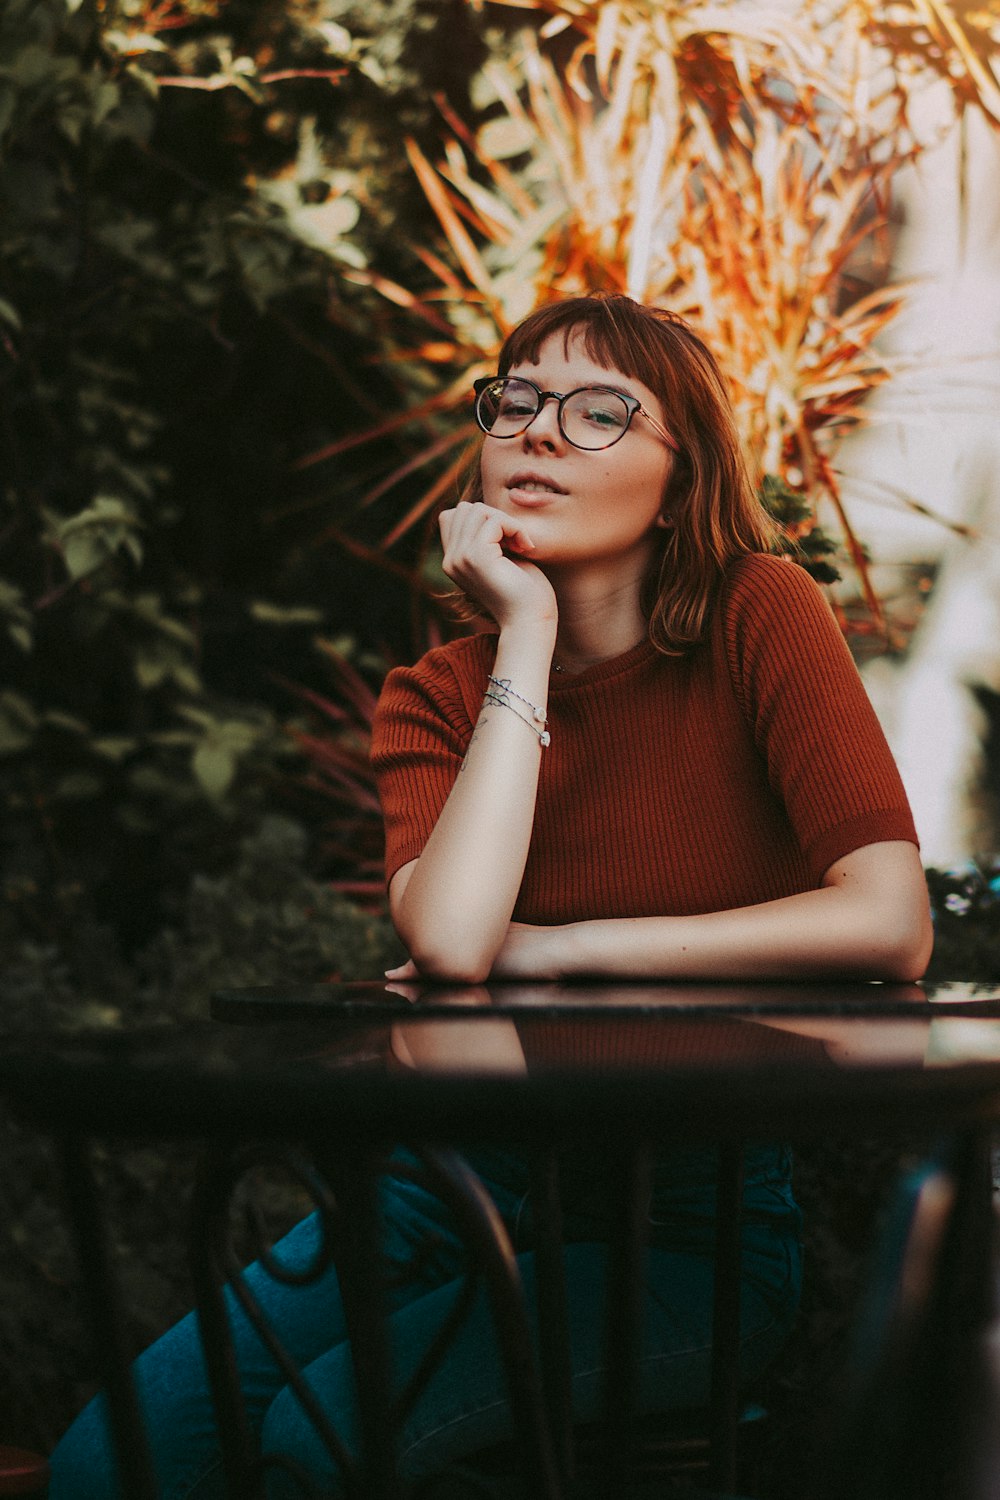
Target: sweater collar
[[601, 671]]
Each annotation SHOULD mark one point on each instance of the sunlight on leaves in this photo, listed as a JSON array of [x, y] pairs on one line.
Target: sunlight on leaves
[[733, 162]]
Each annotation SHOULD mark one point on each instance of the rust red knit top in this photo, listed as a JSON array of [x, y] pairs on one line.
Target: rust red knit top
[[673, 785]]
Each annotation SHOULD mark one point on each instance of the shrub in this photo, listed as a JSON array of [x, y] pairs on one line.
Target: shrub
[[965, 904]]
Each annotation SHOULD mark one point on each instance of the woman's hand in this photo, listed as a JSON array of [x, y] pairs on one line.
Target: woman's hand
[[486, 553]]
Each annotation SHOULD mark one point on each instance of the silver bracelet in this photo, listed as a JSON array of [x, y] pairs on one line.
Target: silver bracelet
[[544, 738], [503, 683]]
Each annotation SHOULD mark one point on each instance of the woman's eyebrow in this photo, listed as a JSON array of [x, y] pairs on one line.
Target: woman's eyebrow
[[588, 385]]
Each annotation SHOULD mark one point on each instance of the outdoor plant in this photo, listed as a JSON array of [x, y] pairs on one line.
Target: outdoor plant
[[965, 904], [172, 238], [731, 162]]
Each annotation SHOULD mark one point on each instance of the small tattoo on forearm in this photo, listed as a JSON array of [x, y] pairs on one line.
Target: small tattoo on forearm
[[475, 736]]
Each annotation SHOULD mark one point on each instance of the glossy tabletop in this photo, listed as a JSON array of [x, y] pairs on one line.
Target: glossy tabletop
[[495, 1061]]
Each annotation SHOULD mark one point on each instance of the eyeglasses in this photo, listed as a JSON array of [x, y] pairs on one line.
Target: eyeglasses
[[592, 417]]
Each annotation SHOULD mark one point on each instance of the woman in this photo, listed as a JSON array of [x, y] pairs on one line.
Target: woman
[[715, 798], [660, 762]]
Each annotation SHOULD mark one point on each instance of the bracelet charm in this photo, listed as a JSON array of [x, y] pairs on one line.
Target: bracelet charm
[[500, 692], [503, 683]]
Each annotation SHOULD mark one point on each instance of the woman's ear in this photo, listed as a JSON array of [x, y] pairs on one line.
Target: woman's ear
[[680, 479]]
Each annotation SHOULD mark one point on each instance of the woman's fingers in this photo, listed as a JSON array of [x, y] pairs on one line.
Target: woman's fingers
[[409, 992], [519, 541], [488, 555], [470, 525], [405, 971]]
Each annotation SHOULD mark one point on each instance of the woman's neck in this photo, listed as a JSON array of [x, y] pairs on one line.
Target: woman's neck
[[595, 623]]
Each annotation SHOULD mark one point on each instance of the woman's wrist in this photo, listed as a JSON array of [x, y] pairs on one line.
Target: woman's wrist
[[560, 951], [533, 636], [524, 660], [599, 948], [575, 955]]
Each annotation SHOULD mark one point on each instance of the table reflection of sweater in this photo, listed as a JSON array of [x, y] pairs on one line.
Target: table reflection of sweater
[[682, 1207]]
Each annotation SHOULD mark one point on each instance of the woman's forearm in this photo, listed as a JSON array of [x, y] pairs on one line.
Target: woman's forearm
[[456, 902], [799, 937], [869, 920]]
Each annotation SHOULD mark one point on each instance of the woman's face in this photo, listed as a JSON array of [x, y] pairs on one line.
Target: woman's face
[[578, 505]]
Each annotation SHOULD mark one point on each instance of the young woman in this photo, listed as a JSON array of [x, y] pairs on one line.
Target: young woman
[[660, 762], [698, 787]]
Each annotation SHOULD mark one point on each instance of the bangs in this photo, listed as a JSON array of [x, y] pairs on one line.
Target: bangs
[[615, 336]]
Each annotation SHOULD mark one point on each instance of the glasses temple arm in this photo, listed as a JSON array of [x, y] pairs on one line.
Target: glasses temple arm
[[664, 434]]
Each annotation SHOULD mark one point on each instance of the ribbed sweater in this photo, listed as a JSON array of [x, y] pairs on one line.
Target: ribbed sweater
[[732, 775]]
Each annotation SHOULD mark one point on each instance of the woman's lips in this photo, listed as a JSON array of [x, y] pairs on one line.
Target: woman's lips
[[533, 490], [531, 499]]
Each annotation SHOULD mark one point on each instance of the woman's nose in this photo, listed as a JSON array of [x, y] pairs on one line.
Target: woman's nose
[[544, 425]]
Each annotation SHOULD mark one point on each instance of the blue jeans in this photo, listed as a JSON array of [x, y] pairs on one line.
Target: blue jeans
[[463, 1408]]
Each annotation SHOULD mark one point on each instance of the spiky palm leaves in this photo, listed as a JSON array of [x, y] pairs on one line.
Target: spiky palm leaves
[[731, 161]]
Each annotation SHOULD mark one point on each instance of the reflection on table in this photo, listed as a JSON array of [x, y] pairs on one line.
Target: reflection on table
[[498, 1059]]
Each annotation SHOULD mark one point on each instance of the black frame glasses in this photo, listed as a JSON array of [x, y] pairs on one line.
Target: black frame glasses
[[631, 403]]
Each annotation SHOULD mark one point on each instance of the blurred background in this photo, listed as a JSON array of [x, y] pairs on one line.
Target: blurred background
[[252, 255]]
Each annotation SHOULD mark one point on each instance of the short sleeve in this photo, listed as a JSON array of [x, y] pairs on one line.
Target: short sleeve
[[420, 734], [809, 714]]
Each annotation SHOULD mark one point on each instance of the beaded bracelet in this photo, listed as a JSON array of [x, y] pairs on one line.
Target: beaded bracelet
[[502, 700]]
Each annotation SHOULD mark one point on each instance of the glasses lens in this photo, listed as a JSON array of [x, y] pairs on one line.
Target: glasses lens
[[505, 407], [594, 418]]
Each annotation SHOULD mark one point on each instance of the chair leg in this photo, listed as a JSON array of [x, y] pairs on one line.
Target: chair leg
[[725, 1393], [107, 1321]]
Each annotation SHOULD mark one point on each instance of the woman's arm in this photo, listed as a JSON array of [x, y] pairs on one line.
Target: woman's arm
[[869, 919], [485, 1045], [452, 906]]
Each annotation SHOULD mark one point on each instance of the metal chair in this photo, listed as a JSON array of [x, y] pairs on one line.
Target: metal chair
[[623, 1455]]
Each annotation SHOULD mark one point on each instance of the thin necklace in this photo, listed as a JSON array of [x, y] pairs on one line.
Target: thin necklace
[[559, 667]]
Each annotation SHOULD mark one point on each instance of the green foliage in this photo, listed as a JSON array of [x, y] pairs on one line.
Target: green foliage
[[802, 538], [261, 919], [103, 650], [180, 195], [264, 921], [965, 904]]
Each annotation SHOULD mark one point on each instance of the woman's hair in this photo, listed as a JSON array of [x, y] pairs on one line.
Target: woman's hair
[[712, 512]]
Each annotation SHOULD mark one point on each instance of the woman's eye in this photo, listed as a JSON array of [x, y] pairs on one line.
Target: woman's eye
[[602, 416], [514, 406]]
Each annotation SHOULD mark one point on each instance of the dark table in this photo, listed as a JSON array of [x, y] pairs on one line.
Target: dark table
[[625, 1066]]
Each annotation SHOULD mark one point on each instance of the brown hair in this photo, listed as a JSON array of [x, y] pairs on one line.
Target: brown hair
[[713, 513]]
